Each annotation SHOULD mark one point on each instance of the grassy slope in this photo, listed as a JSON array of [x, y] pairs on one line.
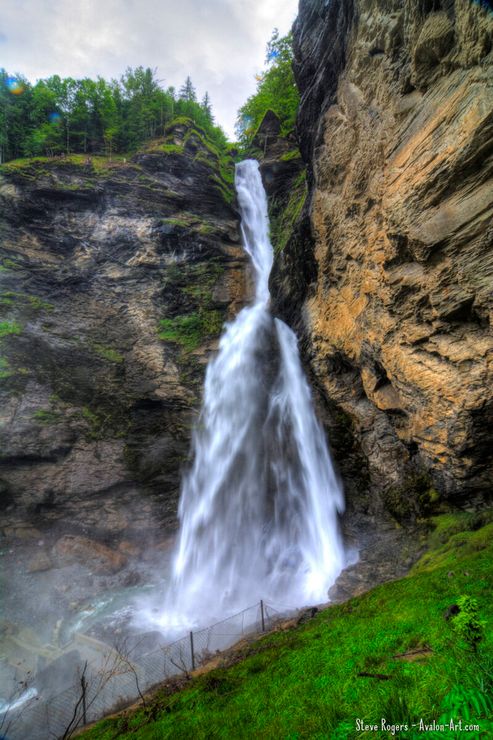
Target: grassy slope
[[304, 683]]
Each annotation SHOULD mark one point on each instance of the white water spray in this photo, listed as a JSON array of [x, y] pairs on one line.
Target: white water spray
[[258, 509]]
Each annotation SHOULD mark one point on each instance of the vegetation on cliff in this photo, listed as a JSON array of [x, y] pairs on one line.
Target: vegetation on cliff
[[63, 115], [417, 649], [276, 91]]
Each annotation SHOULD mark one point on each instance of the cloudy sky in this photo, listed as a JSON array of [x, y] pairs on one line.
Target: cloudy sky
[[220, 43]]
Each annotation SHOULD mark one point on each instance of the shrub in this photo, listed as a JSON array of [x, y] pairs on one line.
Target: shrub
[[467, 622]]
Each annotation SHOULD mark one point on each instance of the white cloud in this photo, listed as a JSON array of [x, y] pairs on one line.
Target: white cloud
[[220, 43]]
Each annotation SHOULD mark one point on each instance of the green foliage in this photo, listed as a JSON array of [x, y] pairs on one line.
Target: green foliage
[[276, 91], [64, 115], [467, 622], [187, 91], [190, 330], [9, 327], [468, 705], [306, 682]]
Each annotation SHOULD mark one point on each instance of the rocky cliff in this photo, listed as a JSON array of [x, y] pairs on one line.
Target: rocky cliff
[[390, 273], [115, 279]]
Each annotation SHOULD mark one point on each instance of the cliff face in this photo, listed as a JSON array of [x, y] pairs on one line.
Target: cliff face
[[115, 280], [396, 125]]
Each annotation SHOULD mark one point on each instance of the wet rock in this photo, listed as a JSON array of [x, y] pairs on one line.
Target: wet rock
[[132, 579], [97, 557], [129, 548], [21, 532], [39, 562], [451, 611], [307, 615]]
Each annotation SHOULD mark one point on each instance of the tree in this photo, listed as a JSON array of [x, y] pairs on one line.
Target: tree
[[187, 91], [15, 103], [276, 91], [65, 91], [206, 107], [63, 114]]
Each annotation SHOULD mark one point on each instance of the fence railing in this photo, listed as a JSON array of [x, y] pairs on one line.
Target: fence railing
[[122, 675]]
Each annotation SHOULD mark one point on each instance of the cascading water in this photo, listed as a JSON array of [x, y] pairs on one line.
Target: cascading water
[[258, 509]]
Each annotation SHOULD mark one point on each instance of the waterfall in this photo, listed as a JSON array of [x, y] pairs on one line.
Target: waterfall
[[258, 508]]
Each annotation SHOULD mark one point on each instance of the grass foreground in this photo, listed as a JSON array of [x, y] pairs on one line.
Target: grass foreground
[[397, 655]]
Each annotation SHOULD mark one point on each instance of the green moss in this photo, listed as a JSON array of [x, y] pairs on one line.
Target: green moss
[[11, 298], [183, 223], [415, 497], [39, 304], [206, 229], [291, 154], [46, 417], [108, 353], [22, 163], [8, 264], [5, 370], [190, 330], [179, 121], [96, 422], [9, 327], [307, 682], [98, 162], [286, 216], [190, 221], [171, 148], [105, 421], [201, 280], [464, 542]]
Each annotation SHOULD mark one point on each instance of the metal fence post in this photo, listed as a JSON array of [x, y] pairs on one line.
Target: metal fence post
[[84, 707], [191, 651], [262, 614]]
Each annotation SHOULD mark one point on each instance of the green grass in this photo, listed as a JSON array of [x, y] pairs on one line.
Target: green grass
[[190, 330], [306, 682]]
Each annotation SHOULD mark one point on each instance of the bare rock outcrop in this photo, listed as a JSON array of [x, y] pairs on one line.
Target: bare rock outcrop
[[396, 125], [116, 277]]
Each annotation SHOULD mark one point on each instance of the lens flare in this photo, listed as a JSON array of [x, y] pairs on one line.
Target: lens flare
[[15, 86], [54, 117]]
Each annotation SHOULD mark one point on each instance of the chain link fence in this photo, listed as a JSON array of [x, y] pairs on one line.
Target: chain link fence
[[122, 675]]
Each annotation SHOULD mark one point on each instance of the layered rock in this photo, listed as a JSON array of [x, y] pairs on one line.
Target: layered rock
[[396, 124], [115, 280]]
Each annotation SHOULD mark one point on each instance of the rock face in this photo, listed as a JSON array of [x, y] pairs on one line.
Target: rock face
[[115, 280], [392, 283]]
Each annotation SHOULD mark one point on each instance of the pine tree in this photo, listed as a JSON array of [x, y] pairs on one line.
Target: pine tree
[[187, 91], [207, 107]]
